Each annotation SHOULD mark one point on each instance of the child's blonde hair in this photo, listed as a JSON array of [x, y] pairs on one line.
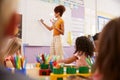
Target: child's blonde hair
[[11, 46]]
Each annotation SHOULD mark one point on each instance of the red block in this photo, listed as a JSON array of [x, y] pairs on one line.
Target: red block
[[44, 72]]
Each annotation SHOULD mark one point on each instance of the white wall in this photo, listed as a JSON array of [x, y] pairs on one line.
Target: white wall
[[90, 17], [22, 10], [92, 7], [90, 4], [33, 32], [111, 7]]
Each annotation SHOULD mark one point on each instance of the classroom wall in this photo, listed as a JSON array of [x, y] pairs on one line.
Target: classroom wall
[[32, 51], [90, 17], [22, 10], [95, 7], [110, 8]]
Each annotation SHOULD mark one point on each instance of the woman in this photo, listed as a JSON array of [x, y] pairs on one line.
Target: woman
[[58, 30]]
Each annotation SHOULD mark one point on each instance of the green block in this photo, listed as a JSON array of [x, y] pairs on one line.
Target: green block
[[44, 66], [84, 70], [58, 71], [71, 70], [59, 78]]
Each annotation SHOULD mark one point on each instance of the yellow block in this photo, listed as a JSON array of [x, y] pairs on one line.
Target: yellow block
[[55, 76], [69, 38], [38, 65]]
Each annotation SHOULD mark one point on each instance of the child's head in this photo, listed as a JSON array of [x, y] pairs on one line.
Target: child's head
[[108, 59], [85, 45], [95, 38], [59, 10], [7, 8]]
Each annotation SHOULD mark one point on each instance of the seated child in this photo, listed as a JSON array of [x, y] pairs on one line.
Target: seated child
[[84, 48], [95, 38], [11, 47], [107, 65]]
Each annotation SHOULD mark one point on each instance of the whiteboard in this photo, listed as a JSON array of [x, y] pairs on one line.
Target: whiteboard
[[35, 33]]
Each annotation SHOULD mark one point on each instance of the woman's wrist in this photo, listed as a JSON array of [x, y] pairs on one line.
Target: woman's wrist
[[43, 23]]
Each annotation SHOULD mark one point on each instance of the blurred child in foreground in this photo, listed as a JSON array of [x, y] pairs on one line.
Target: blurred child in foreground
[[11, 48], [7, 9], [108, 59]]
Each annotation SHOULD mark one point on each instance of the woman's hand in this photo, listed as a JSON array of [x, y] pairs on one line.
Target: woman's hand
[[52, 21], [41, 20], [45, 25]]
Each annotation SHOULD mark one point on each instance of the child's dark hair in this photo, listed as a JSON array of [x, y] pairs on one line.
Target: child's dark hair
[[60, 9], [95, 37], [84, 44]]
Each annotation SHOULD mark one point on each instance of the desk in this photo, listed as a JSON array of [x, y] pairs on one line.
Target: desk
[[64, 76], [34, 73]]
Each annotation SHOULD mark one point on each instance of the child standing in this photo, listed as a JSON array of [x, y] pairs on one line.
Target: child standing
[[84, 48], [58, 30]]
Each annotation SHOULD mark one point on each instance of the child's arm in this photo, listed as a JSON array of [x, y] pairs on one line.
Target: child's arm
[[68, 60], [49, 28]]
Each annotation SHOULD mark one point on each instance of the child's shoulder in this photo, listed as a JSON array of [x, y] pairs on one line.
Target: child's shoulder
[[78, 54]]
